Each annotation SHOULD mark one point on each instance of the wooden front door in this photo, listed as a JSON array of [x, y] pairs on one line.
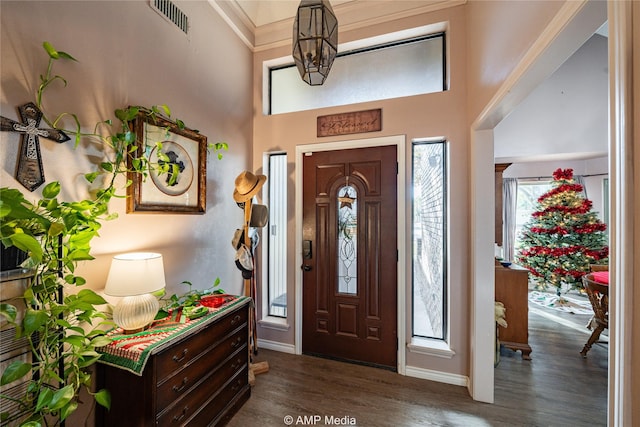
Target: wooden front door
[[350, 255]]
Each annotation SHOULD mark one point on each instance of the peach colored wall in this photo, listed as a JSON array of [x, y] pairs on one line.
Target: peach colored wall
[[128, 54], [432, 115], [500, 32]]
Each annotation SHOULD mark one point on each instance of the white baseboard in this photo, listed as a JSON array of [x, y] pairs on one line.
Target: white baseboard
[[276, 346], [441, 377]]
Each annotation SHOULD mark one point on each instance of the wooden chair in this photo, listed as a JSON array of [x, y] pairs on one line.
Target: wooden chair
[[599, 297], [594, 268]]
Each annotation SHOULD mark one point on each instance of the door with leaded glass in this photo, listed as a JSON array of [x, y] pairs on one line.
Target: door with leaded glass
[[350, 255]]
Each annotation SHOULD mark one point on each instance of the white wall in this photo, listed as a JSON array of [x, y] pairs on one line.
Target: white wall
[[129, 55], [566, 115]]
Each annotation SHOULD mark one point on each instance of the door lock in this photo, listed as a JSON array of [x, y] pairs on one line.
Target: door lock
[[307, 253]]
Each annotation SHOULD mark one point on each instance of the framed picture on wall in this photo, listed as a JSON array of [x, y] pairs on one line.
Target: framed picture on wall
[[176, 178]]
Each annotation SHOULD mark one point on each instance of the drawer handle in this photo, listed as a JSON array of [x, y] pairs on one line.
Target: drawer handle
[[177, 389], [235, 320], [236, 365], [181, 358], [236, 343], [237, 385], [182, 415]]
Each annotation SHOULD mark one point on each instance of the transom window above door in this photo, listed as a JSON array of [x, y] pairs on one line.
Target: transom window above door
[[407, 67]]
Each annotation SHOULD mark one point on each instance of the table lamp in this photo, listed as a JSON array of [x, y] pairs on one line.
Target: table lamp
[[134, 276]]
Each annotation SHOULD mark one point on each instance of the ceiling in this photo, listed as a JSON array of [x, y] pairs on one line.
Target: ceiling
[[264, 24], [267, 12]]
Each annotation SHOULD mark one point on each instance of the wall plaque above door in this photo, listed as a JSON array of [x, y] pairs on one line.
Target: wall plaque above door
[[348, 123]]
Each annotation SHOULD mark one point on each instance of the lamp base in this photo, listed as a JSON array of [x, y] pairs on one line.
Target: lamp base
[[135, 312]]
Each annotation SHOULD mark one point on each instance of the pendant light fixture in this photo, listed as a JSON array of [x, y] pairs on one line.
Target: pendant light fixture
[[315, 40]]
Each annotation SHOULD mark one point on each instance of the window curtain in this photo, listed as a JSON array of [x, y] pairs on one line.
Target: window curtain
[[509, 200], [579, 179]]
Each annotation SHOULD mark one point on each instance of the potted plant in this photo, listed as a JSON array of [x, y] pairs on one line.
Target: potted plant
[[194, 301], [64, 329]]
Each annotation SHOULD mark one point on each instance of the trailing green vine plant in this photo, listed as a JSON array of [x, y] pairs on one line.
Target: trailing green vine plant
[[64, 333]]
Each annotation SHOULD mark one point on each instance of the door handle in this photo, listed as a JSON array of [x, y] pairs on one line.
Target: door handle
[[306, 268]]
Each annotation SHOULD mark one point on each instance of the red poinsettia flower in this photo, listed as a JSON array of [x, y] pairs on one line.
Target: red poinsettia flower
[[565, 174]]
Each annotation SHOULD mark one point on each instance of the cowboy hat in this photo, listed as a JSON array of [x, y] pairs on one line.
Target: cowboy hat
[[259, 216], [247, 186]]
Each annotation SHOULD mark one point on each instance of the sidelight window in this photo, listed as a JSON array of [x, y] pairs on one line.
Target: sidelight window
[[276, 291], [429, 243]]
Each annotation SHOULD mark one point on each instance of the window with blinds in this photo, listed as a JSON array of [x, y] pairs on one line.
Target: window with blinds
[[277, 242]]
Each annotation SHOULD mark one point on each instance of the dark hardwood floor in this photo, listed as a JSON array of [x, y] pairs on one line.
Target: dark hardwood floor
[[556, 388]]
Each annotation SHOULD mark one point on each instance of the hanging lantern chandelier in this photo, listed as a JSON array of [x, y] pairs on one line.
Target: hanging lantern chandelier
[[315, 40]]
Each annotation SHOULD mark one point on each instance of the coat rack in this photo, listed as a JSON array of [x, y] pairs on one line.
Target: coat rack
[[247, 185]]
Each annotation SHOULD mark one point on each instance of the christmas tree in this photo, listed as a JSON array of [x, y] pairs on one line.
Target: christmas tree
[[563, 236]]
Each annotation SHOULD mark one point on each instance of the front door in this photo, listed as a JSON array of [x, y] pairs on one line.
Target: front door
[[350, 255]]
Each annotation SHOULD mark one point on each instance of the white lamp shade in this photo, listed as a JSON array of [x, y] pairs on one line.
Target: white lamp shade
[[135, 273]]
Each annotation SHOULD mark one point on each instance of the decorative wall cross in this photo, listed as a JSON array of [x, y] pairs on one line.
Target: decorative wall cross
[[30, 172]]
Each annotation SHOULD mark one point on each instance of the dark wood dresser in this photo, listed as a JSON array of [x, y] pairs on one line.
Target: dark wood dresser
[[197, 379], [512, 289]]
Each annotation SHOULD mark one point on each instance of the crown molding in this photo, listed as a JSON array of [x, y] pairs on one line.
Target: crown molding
[[237, 20], [351, 15]]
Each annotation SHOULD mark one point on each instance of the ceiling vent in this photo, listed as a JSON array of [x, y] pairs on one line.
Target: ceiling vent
[[170, 11]]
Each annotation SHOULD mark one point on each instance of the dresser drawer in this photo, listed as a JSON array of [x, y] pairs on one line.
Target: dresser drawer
[[217, 403], [203, 390], [183, 353], [216, 361]]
